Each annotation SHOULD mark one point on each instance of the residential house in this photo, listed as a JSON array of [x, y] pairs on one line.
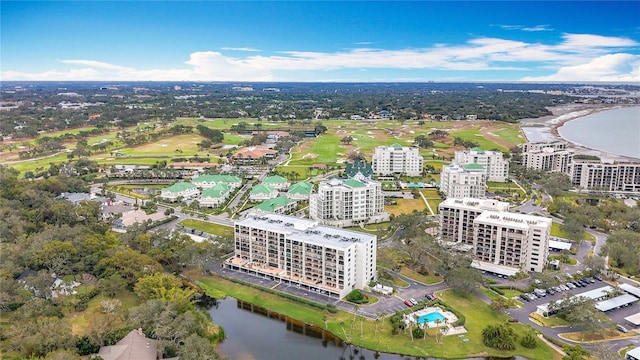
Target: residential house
[[216, 195], [277, 182], [277, 205], [208, 181], [262, 192], [300, 191], [178, 190]]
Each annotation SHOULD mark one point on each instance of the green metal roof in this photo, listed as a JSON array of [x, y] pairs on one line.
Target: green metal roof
[[303, 188], [473, 167], [217, 191], [354, 183], [179, 187], [218, 179], [397, 146], [352, 169], [477, 149], [272, 204], [275, 179], [261, 189]]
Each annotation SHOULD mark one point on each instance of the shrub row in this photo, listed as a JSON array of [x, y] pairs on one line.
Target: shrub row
[[328, 307]]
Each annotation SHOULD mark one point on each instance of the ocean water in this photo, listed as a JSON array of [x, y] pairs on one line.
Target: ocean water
[[613, 131]]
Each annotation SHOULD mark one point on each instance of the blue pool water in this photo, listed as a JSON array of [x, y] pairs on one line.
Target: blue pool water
[[430, 317]]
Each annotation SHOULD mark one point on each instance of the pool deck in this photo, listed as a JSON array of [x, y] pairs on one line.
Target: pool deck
[[450, 319]]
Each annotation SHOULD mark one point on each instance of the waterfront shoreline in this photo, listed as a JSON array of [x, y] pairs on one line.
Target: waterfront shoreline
[[565, 113]]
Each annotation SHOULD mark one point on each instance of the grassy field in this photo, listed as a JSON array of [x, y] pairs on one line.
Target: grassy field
[[475, 136], [557, 232], [405, 206], [208, 227], [477, 313], [550, 321], [426, 279]]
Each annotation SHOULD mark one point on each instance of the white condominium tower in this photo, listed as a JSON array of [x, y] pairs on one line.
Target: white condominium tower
[[302, 253], [496, 167], [460, 181], [397, 160], [347, 202], [547, 156], [496, 236]]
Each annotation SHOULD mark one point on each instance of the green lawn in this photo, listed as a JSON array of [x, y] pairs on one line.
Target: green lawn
[[512, 135], [475, 136], [208, 227], [427, 279], [550, 321], [557, 232]]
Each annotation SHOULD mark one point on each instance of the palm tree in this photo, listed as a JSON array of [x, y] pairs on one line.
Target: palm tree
[[324, 318], [438, 322]]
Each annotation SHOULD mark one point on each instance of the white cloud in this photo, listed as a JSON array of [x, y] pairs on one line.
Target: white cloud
[[526, 28], [576, 57], [611, 67], [240, 49]]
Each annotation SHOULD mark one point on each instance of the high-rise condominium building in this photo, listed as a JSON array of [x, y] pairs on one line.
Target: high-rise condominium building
[[495, 166], [547, 156], [496, 237], [397, 160], [346, 202], [460, 181], [606, 176], [302, 253]]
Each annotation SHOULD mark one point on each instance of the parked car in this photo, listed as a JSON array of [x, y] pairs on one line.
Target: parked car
[[597, 277], [413, 301], [622, 328], [570, 285], [408, 303], [551, 292], [524, 297], [429, 297]]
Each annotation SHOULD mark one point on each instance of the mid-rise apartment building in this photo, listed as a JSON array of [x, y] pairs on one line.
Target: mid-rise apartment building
[[460, 181], [303, 253], [347, 202], [457, 215], [548, 156], [494, 235], [605, 176], [513, 240], [397, 160], [496, 167]]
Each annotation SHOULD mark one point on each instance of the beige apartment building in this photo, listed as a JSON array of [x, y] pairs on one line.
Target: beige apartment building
[[496, 167], [303, 253], [500, 241], [396, 160], [461, 181], [605, 176], [547, 156]]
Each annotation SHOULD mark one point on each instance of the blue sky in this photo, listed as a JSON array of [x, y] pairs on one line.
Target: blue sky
[[320, 41]]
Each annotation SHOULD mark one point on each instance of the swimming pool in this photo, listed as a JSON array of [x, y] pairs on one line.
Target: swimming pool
[[430, 317]]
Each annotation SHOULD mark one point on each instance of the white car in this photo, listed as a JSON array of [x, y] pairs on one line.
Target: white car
[[413, 301]]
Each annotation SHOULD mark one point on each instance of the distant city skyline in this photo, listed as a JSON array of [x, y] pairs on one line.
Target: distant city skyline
[[308, 41]]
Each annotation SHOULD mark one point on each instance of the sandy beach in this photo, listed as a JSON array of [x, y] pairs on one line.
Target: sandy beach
[[561, 115]]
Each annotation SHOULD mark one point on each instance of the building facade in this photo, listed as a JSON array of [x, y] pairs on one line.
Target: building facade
[[496, 167], [180, 190], [347, 202], [303, 253], [605, 176], [547, 156], [494, 235], [461, 181], [209, 181], [457, 215], [397, 160]]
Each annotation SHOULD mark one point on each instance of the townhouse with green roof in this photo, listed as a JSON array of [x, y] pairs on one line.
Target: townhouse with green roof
[[209, 181], [216, 195], [300, 191], [277, 205], [262, 192], [178, 190], [277, 182]]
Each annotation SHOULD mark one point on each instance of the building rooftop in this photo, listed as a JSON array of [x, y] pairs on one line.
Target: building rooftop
[[480, 204], [513, 219], [616, 302], [217, 179], [473, 167], [178, 187], [494, 268], [630, 289], [635, 352], [134, 346], [354, 183], [217, 191], [635, 320], [261, 189], [561, 245], [353, 168], [302, 188], [272, 204], [305, 230], [275, 179]]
